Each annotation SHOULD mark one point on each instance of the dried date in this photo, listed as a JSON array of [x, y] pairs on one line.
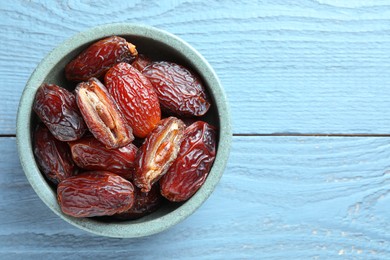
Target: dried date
[[145, 203], [141, 62], [57, 109], [53, 156], [158, 152], [90, 154], [191, 168], [97, 193], [135, 97], [101, 114], [179, 91], [99, 57]]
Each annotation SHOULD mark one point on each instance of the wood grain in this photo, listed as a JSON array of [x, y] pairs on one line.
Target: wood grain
[[295, 197], [313, 66], [288, 68]]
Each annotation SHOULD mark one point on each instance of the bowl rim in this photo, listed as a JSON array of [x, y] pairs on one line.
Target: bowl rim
[[123, 229]]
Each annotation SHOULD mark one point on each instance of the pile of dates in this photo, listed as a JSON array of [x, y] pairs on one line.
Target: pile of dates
[[106, 146]]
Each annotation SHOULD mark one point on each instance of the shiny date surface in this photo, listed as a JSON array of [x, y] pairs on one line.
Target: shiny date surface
[[97, 193], [101, 114], [135, 97], [179, 91], [53, 156], [158, 152], [144, 204], [57, 109], [99, 57], [90, 154], [192, 166]]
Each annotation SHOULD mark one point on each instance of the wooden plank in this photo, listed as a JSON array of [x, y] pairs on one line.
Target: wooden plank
[[287, 66], [280, 197]]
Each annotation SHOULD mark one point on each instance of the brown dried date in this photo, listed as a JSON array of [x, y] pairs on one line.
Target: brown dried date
[[141, 62], [135, 96], [158, 152], [179, 91], [90, 154], [99, 57], [53, 156], [57, 109], [145, 203], [97, 193], [189, 171], [101, 114]]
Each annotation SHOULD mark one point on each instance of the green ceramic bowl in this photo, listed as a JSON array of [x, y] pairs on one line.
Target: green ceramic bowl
[[159, 45]]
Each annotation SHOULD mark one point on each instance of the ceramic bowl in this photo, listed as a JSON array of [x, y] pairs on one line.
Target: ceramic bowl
[[159, 45]]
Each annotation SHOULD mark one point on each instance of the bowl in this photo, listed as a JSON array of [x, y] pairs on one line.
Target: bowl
[[159, 45]]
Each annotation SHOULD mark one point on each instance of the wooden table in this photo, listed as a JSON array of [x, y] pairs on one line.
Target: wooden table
[[309, 90]]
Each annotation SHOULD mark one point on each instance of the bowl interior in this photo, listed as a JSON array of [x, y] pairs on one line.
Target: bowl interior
[[157, 45]]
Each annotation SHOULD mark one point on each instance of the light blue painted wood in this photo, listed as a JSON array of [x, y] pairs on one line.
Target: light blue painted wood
[[331, 199], [314, 66], [311, 66]]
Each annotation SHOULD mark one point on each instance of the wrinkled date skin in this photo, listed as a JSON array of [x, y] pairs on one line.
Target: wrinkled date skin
[[189, 171], [141, 62], [145, 203], [101, 114], [53, 156], [97, 193], [180, 92], [158, 152], [90, 154], [57, 109], [135, 97], [99, 57]]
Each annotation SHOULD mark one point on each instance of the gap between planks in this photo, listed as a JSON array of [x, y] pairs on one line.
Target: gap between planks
[[7, 135]]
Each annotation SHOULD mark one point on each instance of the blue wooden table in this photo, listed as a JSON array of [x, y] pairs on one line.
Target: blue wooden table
[[309, 88]]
